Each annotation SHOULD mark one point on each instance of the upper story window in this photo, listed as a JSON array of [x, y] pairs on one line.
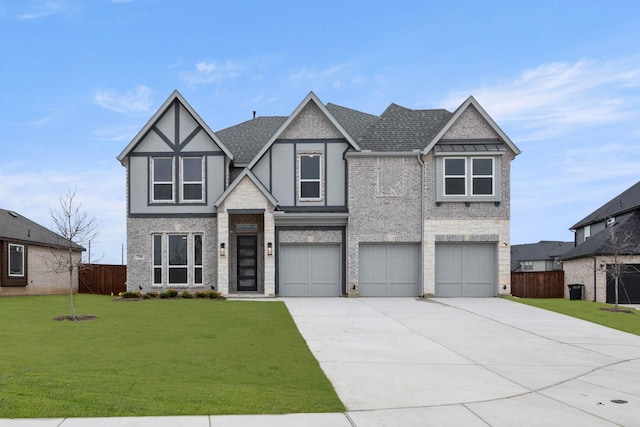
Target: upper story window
[[527, 265], [162, 179], [310, 176], [16, 260], [587, 232], [192, 179], [467, 178]]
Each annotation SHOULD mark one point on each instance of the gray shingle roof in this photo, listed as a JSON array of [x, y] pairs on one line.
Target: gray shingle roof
[[246, 139], [16, 227], [627, 201], [627, 230], [402, 129], [353, 121], [543, 250]]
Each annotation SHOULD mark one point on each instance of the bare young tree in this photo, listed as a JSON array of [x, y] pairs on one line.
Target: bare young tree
[[76, 227]]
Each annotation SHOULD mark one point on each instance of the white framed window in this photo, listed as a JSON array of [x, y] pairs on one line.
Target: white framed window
[[177, 259], [16, 260], [157, 259], [527, 265], [468, 176], [310, 169], [455, 176], [587, 232], [162, 173], [192, 179]]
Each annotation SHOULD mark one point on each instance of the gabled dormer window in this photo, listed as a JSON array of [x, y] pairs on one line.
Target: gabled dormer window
[[192, 179], [162, 173], [310, 176]]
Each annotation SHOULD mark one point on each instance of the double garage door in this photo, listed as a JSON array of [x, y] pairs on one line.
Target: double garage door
[[309, 271], [466, 270]]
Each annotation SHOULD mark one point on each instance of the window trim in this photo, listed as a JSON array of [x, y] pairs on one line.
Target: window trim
[[184, 182], [527, 265], [154, 182], [170, 266], [319, 180], [496, 183], [464, 177], [155, 266], [22, 253], [163, 238]]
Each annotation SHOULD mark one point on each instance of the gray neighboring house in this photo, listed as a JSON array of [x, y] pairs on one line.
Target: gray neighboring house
[[542, 256], [28, 258], [587, 263], [326, 201]]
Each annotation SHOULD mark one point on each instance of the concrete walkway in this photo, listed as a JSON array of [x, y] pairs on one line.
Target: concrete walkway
[[448, 362]]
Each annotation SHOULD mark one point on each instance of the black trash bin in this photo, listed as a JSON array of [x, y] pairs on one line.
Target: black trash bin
[[575, 291]]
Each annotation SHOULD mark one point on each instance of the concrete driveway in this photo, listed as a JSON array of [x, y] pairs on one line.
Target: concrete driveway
[[470, 362]]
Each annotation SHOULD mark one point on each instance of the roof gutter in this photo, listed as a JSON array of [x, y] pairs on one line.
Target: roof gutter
[[369, 153]]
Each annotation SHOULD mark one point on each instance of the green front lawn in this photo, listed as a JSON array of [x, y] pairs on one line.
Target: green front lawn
[[155, 357], [588, 310]]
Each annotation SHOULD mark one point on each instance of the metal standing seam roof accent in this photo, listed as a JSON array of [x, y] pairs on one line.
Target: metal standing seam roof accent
[[15, 227], [469, 147]]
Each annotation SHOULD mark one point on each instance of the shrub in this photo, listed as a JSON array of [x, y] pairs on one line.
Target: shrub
[[200, 294], [164, 295], [146, 296], [129, 294], [151, 295], [186, 294], [172, 293]]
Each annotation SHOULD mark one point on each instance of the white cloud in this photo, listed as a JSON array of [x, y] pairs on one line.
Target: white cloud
[[211, 72], [42, 10], [554, 98], [132, 102]]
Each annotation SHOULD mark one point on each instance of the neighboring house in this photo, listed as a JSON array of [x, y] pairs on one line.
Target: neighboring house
[[612, 229], [542, 256], [327, 201], [30, 257]]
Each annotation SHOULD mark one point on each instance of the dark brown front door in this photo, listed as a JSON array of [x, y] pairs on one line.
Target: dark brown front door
[[247, 263]]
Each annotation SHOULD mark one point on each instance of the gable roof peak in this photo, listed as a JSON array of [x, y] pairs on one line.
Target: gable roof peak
[[471, 101], [175, 96]]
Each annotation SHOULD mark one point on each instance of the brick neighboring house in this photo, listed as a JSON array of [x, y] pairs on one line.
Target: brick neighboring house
[[542, 256], [323, 202], [593, 255], [29, 256]]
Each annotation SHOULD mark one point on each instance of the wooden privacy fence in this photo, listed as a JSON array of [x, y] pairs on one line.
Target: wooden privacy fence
[[102, 279], [539, 284]]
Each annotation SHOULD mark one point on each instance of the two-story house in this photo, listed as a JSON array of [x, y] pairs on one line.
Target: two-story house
[[327, 201], [542, 256], [607, 237]]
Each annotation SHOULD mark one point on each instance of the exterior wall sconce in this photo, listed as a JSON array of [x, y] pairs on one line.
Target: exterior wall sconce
[[269, 248], [221, 249]]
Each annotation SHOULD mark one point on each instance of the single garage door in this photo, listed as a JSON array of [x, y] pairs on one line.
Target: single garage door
[[389, 270], [309, 271], [466, 270], [628, 284]]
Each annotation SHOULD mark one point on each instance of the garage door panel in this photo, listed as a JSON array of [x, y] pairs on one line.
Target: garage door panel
[[389, 269], [309, 270], [465, 270]]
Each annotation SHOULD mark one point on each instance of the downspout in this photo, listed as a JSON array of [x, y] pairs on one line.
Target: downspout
[[594, 278], [421, 220]]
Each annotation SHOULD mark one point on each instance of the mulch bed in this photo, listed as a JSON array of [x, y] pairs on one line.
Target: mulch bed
[[619, 310], [78, 318]]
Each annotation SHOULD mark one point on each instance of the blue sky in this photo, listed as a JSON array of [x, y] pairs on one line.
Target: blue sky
[[78, 79]]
